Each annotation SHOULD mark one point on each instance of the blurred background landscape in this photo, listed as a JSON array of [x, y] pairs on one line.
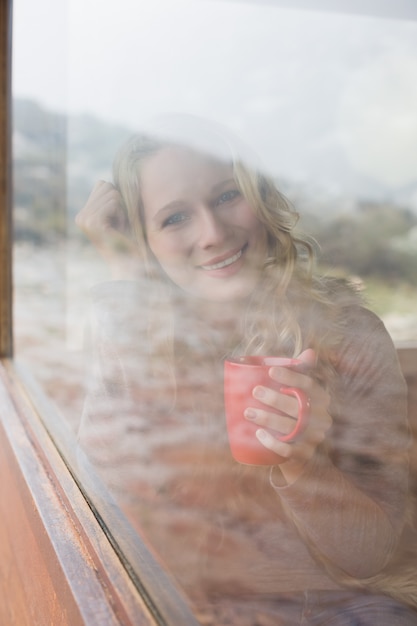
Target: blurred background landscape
[[58, 158]]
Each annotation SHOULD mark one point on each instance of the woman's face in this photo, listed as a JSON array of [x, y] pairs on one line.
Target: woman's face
[[200, 228]]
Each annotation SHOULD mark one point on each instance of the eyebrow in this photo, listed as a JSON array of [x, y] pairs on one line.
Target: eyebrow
[[223, 183], [175, 204], [178, 204]]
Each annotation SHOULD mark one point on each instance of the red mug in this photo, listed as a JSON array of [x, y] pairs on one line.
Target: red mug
[[241, 376]]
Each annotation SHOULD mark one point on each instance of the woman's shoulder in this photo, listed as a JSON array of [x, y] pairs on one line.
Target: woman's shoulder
[[365, 340], [361, 319], [348, 307], [349, 326]]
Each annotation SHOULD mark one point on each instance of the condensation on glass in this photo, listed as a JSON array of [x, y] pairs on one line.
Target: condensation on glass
[[328, 101]]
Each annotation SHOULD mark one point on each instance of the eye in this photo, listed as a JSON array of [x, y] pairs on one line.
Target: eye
[[228, 196], [175, 218]]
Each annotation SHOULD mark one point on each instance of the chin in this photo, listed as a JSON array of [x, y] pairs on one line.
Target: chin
[[229, 294]]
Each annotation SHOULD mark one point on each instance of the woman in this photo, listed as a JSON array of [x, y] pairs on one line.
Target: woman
[[218, 271]]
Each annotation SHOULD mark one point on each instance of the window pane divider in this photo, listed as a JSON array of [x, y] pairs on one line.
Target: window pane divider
[[5, 180]]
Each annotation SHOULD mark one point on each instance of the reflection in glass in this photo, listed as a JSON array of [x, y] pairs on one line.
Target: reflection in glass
[[186, 258]]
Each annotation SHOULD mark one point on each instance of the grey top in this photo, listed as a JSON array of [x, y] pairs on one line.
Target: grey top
[[223, 528]]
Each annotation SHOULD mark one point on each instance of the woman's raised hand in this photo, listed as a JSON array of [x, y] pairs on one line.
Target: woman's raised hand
[[104, 221], [293, 456]]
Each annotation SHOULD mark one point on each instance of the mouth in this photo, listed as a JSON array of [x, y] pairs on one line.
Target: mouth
[[225, 262]]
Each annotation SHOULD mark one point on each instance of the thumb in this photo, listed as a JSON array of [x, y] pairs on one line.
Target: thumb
[[308, 357]]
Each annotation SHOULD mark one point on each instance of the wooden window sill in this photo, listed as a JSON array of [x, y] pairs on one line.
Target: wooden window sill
[[56, 564]]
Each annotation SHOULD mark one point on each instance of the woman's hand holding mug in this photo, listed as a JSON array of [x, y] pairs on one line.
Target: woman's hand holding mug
[[276, 412]]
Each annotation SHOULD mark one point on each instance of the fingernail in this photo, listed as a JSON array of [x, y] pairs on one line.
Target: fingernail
[[259, 392], [261, 434], [250, 414]]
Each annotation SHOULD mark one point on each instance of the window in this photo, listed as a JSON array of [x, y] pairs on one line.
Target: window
[[328, 99]]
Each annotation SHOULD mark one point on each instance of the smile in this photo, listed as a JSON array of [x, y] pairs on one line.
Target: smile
[[225, 263]]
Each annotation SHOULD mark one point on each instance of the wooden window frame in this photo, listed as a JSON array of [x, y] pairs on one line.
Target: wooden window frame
[[5, 177], [58, 562]]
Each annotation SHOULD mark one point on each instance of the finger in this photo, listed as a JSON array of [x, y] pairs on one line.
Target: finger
[[100, 201], [100, 190], [291, 378], [98, 216], [103, 211], [280, 402], [282, 424], [269, 441], [102, 186], [308, 357], [110, 214]]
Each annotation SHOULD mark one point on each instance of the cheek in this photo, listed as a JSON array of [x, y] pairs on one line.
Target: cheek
[[166, 250], [257, 228], [248, 219], [157, 250]]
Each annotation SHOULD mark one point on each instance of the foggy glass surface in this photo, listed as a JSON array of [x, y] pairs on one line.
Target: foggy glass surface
[[328, 101]]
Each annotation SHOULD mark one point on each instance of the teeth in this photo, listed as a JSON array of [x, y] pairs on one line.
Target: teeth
[[218, 266]]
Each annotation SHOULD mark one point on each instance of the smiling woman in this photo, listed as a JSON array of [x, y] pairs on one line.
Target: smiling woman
[[205, 229], [218, 272]]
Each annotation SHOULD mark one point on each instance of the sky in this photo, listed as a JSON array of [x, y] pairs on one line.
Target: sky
[[323, 97]]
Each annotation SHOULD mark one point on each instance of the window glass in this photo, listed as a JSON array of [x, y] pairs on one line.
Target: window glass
[[125, 301]]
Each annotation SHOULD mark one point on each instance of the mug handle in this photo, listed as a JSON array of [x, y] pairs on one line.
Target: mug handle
[[303, 413]]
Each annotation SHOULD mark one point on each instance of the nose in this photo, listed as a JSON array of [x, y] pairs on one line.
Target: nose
[[212, 229]]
